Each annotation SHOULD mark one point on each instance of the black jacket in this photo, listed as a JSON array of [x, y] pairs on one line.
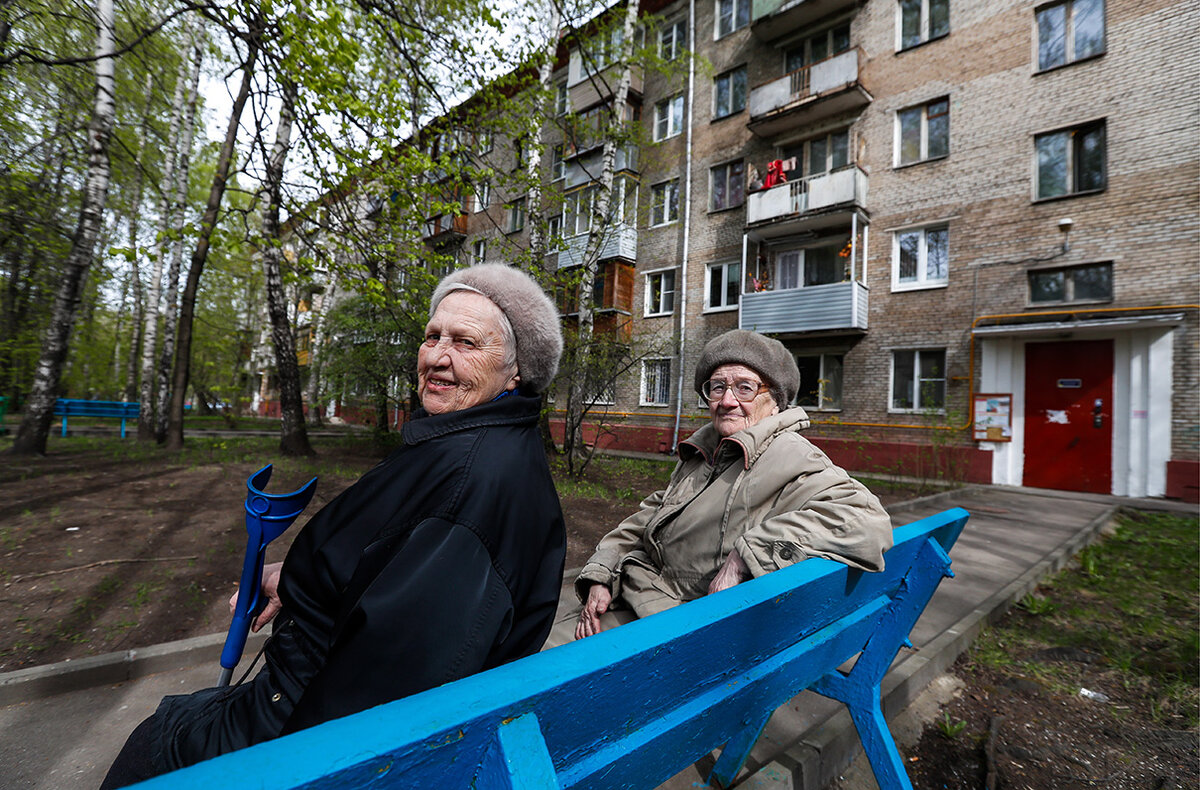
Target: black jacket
[[444, 560]]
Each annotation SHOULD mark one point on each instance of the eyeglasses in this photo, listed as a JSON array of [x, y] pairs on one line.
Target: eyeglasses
[[745, 390]]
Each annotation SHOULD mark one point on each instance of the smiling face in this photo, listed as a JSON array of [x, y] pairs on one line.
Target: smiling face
[[464, 360], [730, 415]]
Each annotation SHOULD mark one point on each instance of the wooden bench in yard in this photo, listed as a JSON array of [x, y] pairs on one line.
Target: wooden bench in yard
[[631, 707], [71, 407]]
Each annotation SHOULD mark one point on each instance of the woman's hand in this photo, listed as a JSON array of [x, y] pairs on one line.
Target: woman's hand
[[597, 603], [734, 571], [269, 588]]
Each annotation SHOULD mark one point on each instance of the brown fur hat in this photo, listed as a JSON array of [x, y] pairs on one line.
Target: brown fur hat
[[533, 317]]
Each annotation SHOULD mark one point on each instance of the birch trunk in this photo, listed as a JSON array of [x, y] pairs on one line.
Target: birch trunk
[[316, 356], [134, 279], [293, 439], [208, 223], [537, 235], [577, 405], [146, 422], [178, 203], [39, 409]]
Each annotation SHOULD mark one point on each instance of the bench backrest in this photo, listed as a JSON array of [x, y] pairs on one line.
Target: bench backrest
[[632, 706], [72, 407]]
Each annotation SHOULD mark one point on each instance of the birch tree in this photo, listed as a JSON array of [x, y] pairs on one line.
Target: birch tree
[[35, 423]]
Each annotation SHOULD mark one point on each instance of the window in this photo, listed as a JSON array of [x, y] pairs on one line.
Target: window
[[554, 230], [826, 44], [923, 132], [602, 50], [922, 20], [727, 185], [484, 142], [724, 286], [920, 258], [672, 39], [656, 382], [919, 380], [668, 118], [660, 292], [1069, 31], [579, 211], [1070, 161], [483, 196], [820, 381], [664, 202], [516, 215], [1090, 283], [820, 155], [732, 15], [558, 165], [479, 251], [808, 267], [729, 93], [562, 101]]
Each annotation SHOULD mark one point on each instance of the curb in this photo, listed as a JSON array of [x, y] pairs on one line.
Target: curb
[[819, 756], [35, 683]]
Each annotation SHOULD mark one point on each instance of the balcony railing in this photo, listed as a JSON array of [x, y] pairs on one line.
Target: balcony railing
[[443, 224], [809, 309], [797, 198], [809, 94], [619, 241]]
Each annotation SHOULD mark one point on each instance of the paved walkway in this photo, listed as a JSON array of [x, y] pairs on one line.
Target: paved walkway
[[61, 725]]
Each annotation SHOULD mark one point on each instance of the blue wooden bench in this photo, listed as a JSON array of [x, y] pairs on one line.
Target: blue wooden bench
[[70, 407], [631, 707]]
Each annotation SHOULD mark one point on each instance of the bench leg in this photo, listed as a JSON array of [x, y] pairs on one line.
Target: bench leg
[[64, 427], [734, 755], [517, 759]]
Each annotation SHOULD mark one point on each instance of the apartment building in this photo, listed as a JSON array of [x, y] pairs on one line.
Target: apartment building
[[976, 225]]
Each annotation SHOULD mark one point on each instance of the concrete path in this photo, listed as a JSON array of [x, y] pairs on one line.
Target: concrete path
[[62, 724]]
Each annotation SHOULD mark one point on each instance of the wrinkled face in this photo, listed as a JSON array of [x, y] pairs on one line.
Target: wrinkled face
[[462, 361], [730, 415]]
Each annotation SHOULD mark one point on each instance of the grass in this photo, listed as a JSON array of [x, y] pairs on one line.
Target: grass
[[1131, 600]]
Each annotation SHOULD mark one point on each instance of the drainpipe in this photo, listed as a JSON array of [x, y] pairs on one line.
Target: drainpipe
[[687, 216]]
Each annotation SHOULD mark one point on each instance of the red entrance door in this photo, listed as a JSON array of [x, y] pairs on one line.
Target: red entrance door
[[1068, 415]]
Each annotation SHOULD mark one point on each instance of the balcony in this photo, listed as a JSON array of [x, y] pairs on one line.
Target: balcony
[[810, 204], [810, 94], [619, 241], [444, 228], [587, 167], [815, 308], [772, 20]]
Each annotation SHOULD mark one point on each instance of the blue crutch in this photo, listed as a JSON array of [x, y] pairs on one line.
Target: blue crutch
[[267, 517]]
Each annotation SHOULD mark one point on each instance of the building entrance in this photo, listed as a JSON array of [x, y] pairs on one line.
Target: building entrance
[[1068, 415]]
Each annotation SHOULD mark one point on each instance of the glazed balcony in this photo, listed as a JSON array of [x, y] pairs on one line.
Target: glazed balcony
[[772, 20], [584, 168], [810, 94], [814, 308], [618, 241], [444, 228], [807, 204]]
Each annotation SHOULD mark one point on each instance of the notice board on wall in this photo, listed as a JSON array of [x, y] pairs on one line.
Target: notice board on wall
[[993, 417]]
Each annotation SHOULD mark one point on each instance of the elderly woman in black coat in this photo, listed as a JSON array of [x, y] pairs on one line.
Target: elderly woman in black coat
[[444, 560]]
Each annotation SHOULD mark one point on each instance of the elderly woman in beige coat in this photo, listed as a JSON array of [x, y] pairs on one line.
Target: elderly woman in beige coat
[[749, 495]]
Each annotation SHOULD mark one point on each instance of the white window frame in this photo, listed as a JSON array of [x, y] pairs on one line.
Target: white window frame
[[926, 34], [661, 377], [734, 7], [712, 181], [515, 221], [562, 98], [664, 203], [554, 231], [647, 280], [558, 162], [922, 282], [724, 305], [1069, 30], [923, 154], [668, 118], [484, 142], [483, 196], [823, 379], [725, 112], [917, 381], [479, 251], [676, 33]]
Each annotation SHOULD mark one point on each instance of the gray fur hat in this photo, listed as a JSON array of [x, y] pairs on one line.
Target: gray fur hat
[[533, 316], [765, 355]]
